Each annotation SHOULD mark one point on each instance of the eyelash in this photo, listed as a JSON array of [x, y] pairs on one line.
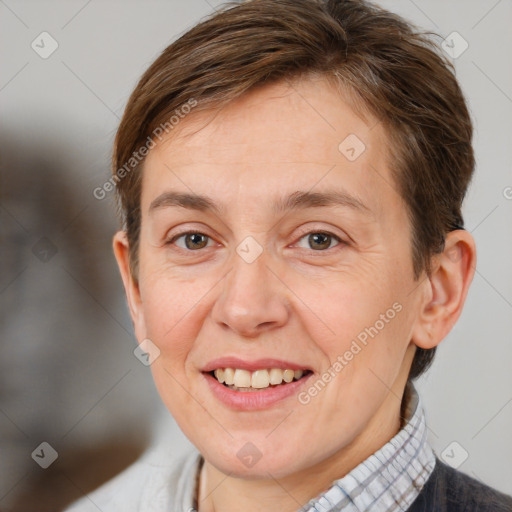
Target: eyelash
[[340, 241]]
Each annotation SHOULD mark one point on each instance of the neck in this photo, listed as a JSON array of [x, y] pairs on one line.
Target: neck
[[221, 492]]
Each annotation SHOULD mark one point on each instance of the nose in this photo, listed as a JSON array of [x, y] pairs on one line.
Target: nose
[[252, 299]]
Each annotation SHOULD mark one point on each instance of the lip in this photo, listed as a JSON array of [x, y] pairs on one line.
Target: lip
[[258, 364], [253, 400]]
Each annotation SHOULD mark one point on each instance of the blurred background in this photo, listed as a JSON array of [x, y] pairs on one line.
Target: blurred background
[[68, 375]]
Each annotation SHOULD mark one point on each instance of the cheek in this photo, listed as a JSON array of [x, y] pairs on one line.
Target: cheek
[[171, 308], [343, 308], [362, 323]]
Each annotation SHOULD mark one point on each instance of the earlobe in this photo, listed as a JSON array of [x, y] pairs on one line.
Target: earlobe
[[445, 290], [131, 287]]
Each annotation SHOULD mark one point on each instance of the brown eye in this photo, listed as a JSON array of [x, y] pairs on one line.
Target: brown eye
[[193, 241], [318, 241]]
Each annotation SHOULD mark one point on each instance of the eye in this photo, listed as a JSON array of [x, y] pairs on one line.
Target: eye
[[191, 241], [319, 240]]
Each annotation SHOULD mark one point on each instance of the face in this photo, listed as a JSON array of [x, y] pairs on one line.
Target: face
[[270, 242]]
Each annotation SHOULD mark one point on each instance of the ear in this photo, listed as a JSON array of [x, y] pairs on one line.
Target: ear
[[446, 289], [131, 286]]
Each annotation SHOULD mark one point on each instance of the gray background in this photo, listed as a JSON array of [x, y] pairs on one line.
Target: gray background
[[68, 375]]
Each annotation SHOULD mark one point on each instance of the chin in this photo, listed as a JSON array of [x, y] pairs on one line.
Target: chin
[[241, 459], [260, 470]]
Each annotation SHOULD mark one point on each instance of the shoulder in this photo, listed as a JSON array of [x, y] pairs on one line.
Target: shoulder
[[449, 490], [149, 484]]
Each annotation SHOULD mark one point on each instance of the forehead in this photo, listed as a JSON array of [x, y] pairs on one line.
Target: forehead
[[275, 140]]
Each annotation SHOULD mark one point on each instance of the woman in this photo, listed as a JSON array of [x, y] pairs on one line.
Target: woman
[[291, 177]]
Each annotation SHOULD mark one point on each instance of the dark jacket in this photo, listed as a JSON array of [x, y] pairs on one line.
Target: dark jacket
[[449, 490]]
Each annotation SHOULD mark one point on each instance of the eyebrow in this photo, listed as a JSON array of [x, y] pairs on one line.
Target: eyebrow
[[295, 201]]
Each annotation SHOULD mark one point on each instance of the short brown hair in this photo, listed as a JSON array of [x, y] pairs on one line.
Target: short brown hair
[[393, 71]]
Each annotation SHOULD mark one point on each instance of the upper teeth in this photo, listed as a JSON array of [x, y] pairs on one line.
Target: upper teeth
[[256, 379]]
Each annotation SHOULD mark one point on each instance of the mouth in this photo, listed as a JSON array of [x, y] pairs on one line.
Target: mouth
[[242, 380]]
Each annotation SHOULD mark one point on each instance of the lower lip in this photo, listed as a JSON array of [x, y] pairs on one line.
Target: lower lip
[[254, 400]]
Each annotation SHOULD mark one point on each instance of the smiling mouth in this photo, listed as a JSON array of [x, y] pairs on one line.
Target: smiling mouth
[[243, 380]]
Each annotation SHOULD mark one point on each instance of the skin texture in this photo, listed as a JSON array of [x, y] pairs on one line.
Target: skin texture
[[295, 301]]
